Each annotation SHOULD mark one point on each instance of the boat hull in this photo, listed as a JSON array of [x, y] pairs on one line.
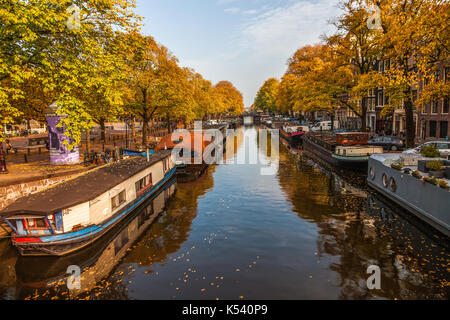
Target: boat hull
[[64, 244], [294, 139], [426, 201], [358, 164]]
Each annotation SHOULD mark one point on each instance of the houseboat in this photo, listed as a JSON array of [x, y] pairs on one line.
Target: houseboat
[[399, 178], [73, 214], [347, 149], [293, 134], [96, 261]]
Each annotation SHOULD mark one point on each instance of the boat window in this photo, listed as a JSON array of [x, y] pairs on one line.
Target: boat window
[[372, 173], [393, 184], [385, 180], [118, 200], [35, 224], [143, 183]]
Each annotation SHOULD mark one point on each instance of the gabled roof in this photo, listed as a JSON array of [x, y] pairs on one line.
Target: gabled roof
[[82, 188]]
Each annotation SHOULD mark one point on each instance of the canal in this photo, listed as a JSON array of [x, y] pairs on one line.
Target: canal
[[301, 233]]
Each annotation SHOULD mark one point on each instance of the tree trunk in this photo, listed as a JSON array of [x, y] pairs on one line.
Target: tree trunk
[[133, 129], [2, 160], [102, 130], [363, 115], [88, 140], [169, 126], [145, 121], [409, 119], [332, 120]]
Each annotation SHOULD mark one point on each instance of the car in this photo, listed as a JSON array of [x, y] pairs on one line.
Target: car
[[388, 143], [324, 126], [442, 146]]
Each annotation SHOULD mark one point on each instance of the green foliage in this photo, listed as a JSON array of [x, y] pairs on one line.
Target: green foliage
[[416, 174], [430, 151], [443, 184], [397, 166], [435, 165], [432, 180], [266, 97]]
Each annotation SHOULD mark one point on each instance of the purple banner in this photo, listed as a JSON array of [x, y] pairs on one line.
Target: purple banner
[[59, 153]]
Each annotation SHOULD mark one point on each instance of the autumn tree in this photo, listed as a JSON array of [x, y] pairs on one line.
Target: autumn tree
[[355, 45], [227, 99], [285, 99], [44, 40], [415, 37], [266, 96], [320, 80]]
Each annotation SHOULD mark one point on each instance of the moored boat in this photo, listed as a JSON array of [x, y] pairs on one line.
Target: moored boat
[[293, 134], [398, 178], [73, 214], [96, 261], [347, 150], [190, 151]]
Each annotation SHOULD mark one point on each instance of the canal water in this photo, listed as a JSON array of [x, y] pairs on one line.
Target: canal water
[[301, 233]]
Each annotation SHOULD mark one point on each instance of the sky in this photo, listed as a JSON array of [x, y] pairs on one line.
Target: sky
[[242, 41]]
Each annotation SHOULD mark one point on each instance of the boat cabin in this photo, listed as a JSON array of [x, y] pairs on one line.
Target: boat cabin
[[351, 138], [84, 204]]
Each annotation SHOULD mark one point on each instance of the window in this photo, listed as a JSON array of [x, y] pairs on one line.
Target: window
[[442, 146], [445, 106], [118, 200], [35, 224], [434, 107], [380, 98], [143, 184], [437, 75]]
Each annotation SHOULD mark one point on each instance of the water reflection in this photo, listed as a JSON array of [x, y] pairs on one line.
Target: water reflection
[[46, 277], [304, 233], [360, 229]]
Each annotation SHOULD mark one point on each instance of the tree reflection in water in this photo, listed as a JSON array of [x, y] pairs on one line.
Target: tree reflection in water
[[361, 229]]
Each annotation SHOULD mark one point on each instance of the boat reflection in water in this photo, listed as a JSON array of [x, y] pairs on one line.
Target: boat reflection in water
[[95, 262], [360, 228]]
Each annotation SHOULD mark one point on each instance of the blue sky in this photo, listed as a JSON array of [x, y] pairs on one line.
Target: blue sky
[[243, 41]]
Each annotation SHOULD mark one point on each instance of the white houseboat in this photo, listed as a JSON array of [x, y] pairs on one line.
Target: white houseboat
[[398, 177], [73, 214]]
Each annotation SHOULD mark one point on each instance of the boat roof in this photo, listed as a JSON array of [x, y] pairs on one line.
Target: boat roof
[[169, 142], [350, 132], [81, 188]]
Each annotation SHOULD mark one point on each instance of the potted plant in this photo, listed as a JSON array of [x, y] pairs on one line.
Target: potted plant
[[430, 151], [435, 168], [432, 180], [443, 184], [416, 174], [397, 166]]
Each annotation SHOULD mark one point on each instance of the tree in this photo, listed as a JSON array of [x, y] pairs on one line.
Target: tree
[[320, 80], [415, 36], [39, 40], [227, 99], [266, 96], [355, 44], [285, 98]]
